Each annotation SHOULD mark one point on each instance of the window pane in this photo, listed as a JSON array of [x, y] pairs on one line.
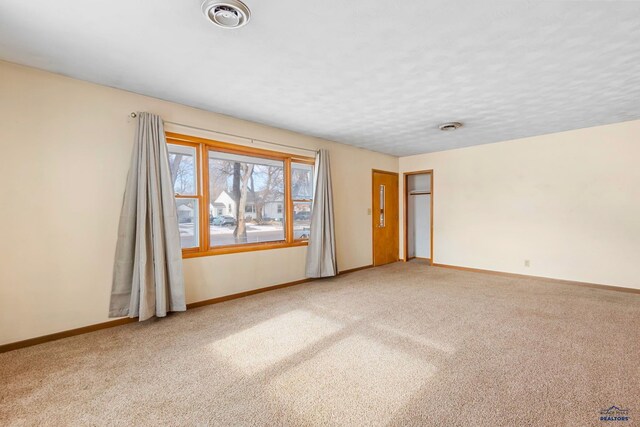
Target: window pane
[[301, 220], [301, 181], [247, 199], [188, 222], [182, 162]]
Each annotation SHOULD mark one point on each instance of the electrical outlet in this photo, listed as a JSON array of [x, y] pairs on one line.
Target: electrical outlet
[[369, 211], [527, 263]]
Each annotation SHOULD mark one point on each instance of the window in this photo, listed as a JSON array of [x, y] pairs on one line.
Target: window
[[301, 195], [184, 172], [233, 198], [256, 186]]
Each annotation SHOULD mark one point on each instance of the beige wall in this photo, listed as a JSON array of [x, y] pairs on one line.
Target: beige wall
[[66, 146], [569, 202]]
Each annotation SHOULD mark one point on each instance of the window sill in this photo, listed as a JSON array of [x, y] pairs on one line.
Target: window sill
[[251, 247]]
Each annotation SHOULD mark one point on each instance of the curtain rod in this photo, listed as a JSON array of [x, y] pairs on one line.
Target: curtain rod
[[135, 115]]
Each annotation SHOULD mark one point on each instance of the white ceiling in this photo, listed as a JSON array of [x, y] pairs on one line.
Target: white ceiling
[[376, 74]]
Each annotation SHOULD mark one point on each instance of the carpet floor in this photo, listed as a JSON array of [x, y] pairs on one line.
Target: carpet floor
[[403, 344]]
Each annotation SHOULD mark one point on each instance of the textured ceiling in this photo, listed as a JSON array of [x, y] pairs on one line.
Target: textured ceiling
[[376, 74]]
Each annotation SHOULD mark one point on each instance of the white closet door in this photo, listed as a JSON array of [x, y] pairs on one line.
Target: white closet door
[[411, 228], [421, 212]]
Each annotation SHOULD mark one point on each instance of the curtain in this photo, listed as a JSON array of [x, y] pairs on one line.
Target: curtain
[[321, 252], [147, 272]]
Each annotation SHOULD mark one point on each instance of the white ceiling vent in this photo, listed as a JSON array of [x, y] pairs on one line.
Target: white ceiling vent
[[226, 13], [447, 127]]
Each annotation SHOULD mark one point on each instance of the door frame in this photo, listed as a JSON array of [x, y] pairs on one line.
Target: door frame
[[405, 219], [373, 217]]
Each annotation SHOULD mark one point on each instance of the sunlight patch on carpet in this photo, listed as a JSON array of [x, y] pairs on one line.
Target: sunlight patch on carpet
[[267, 343]]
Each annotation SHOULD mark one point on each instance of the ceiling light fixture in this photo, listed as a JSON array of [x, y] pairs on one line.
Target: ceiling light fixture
[[226, 13], [447, 127]]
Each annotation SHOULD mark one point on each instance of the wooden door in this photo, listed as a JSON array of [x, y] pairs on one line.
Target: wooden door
[[385, 217]]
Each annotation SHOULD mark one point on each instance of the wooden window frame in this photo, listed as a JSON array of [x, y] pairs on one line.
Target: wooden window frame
[[203, 146]]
